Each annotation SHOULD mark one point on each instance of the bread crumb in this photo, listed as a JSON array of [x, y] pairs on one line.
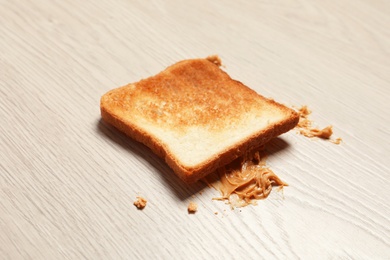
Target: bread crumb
[[140, 203], [192, 207], [216, 213], [215, 59], [337, 140]]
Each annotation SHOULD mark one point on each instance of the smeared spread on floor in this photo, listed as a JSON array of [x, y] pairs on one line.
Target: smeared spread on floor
[[305, 127], [244, 181]]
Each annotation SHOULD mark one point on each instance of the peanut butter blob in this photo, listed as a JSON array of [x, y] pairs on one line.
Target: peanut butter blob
[[242, 183]]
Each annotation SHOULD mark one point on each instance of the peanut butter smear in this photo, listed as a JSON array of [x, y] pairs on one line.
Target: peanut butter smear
[[305, 128], [241, 184]]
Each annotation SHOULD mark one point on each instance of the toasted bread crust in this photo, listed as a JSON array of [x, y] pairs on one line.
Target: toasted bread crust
[[112, 101]]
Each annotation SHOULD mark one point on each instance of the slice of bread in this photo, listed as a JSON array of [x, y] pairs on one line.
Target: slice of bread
[[195, 116]]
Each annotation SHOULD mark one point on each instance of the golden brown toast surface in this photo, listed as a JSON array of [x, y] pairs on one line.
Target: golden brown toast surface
[[195, 116]]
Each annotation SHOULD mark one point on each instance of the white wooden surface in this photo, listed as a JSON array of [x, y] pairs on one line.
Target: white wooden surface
[[67, 181]]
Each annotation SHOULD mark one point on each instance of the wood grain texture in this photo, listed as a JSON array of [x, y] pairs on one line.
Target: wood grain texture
[[68, 181]]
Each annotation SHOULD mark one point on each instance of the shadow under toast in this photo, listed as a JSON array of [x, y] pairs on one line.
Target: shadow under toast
[[177, 186], [142, 152]]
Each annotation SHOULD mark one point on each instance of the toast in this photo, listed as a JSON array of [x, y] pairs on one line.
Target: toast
[[195, 116]]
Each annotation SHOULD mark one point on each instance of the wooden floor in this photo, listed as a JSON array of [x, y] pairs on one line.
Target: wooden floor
[[68, 181]]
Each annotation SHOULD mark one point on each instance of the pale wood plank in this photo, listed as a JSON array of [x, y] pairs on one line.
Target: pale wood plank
[[67, 181]]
